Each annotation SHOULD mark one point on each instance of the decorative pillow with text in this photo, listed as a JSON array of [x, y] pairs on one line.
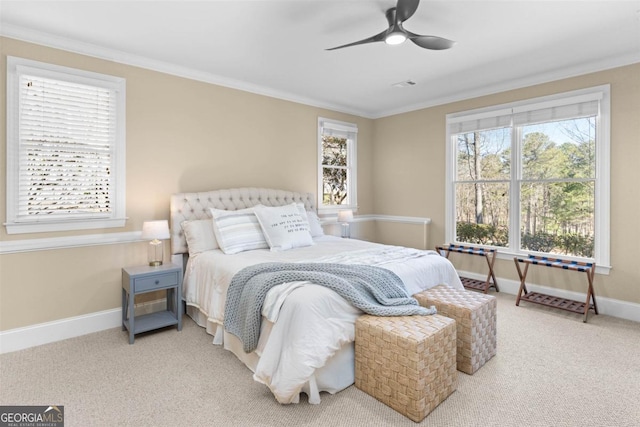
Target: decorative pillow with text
[[284, 227]]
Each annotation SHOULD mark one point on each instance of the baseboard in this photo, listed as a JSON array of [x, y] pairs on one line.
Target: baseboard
[[45, 333], [609, 306]]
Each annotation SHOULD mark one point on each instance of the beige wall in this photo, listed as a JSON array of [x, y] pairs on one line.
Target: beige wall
[[409, 161], [185, 135], [182, 135]]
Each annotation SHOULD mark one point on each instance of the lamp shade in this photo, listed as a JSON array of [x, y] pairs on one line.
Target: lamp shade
[[345, 215], [152, 230]]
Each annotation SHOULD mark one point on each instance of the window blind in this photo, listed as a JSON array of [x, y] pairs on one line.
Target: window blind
[[555, 110], [557, 113], [345, 130], [67, 132], [479, 122]]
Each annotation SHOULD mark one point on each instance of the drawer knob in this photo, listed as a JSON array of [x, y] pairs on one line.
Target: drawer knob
[[157, 282]]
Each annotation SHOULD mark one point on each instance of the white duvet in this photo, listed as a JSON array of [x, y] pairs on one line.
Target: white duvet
[[306, 343]]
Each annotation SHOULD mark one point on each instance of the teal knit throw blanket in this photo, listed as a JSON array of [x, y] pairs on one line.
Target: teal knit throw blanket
[[374, 290]]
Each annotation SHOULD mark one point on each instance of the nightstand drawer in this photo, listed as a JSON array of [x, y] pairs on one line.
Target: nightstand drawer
[[158, 281]]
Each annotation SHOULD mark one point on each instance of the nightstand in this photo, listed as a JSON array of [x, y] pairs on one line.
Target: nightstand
[[143, 279]]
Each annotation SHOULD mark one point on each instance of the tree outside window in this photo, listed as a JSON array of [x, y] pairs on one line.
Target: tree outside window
[[532, 168], [337, 163], [334, 170]]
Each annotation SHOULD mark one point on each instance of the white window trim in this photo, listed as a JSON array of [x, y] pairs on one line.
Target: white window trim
[[352, 162], [603, 169], [117, 218]]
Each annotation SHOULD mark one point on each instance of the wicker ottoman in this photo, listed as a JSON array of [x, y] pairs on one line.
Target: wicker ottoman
[[408, 362], [475, 316]]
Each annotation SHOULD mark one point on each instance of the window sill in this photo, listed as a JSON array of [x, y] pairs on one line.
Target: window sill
[[51, 226], [334, 209]]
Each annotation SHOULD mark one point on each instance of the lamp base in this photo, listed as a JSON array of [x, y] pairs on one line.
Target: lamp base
[[346, 232], [156, 253]]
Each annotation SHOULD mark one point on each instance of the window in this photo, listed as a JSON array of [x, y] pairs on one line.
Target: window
[[65, 148], [336, 165], [532, 176]]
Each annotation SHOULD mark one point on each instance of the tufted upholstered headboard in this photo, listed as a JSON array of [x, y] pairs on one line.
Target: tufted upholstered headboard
[[190, 206]]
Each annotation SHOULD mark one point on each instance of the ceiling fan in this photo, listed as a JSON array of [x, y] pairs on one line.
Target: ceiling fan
[[396, 34]]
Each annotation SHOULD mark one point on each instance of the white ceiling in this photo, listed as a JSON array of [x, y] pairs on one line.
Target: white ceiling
[[277, 48]]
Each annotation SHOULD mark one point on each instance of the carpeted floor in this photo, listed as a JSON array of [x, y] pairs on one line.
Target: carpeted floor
[[551, 370]]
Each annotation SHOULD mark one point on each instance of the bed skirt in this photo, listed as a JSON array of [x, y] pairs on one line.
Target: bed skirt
[[337, 374]]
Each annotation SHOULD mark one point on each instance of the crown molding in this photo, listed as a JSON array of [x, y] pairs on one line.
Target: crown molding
[[88, 49], [536, 79], [96, 51]]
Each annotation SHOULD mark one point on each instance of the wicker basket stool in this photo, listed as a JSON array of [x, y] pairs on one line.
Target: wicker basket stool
[[475, 316], [407, 362]]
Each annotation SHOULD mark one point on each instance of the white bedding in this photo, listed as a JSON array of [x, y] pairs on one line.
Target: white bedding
[[308, 330]]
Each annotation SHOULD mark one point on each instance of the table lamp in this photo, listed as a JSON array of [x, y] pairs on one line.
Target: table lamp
[[156, 231], [345, 217]]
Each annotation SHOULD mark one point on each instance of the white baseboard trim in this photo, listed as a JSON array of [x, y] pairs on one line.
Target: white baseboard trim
[[58, 330], [609, 306], [44, 333]]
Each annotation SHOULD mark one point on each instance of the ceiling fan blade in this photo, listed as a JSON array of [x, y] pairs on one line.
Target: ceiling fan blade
[[406, 8], [430, 42], [373, 39]]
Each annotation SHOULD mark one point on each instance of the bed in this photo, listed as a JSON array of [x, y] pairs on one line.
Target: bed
[[305, 342]]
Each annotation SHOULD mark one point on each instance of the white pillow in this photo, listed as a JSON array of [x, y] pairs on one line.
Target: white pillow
[[314, 224], [315, 228], [284, 226], [237, 231], [199, 235]]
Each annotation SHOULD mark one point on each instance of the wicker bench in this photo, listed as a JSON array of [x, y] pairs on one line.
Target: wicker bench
[[475, 316], [408, 362]]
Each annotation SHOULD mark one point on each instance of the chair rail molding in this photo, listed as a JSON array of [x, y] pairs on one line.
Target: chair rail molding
[[30, 245]]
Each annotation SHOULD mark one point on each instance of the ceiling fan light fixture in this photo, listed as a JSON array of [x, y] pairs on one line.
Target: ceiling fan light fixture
[[395, 37], [395, 33]]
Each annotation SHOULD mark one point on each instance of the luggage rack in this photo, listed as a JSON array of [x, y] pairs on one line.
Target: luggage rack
[[556, 302], [488, 254]]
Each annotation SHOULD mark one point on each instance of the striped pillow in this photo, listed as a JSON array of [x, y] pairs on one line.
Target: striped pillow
[[237, 231]]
